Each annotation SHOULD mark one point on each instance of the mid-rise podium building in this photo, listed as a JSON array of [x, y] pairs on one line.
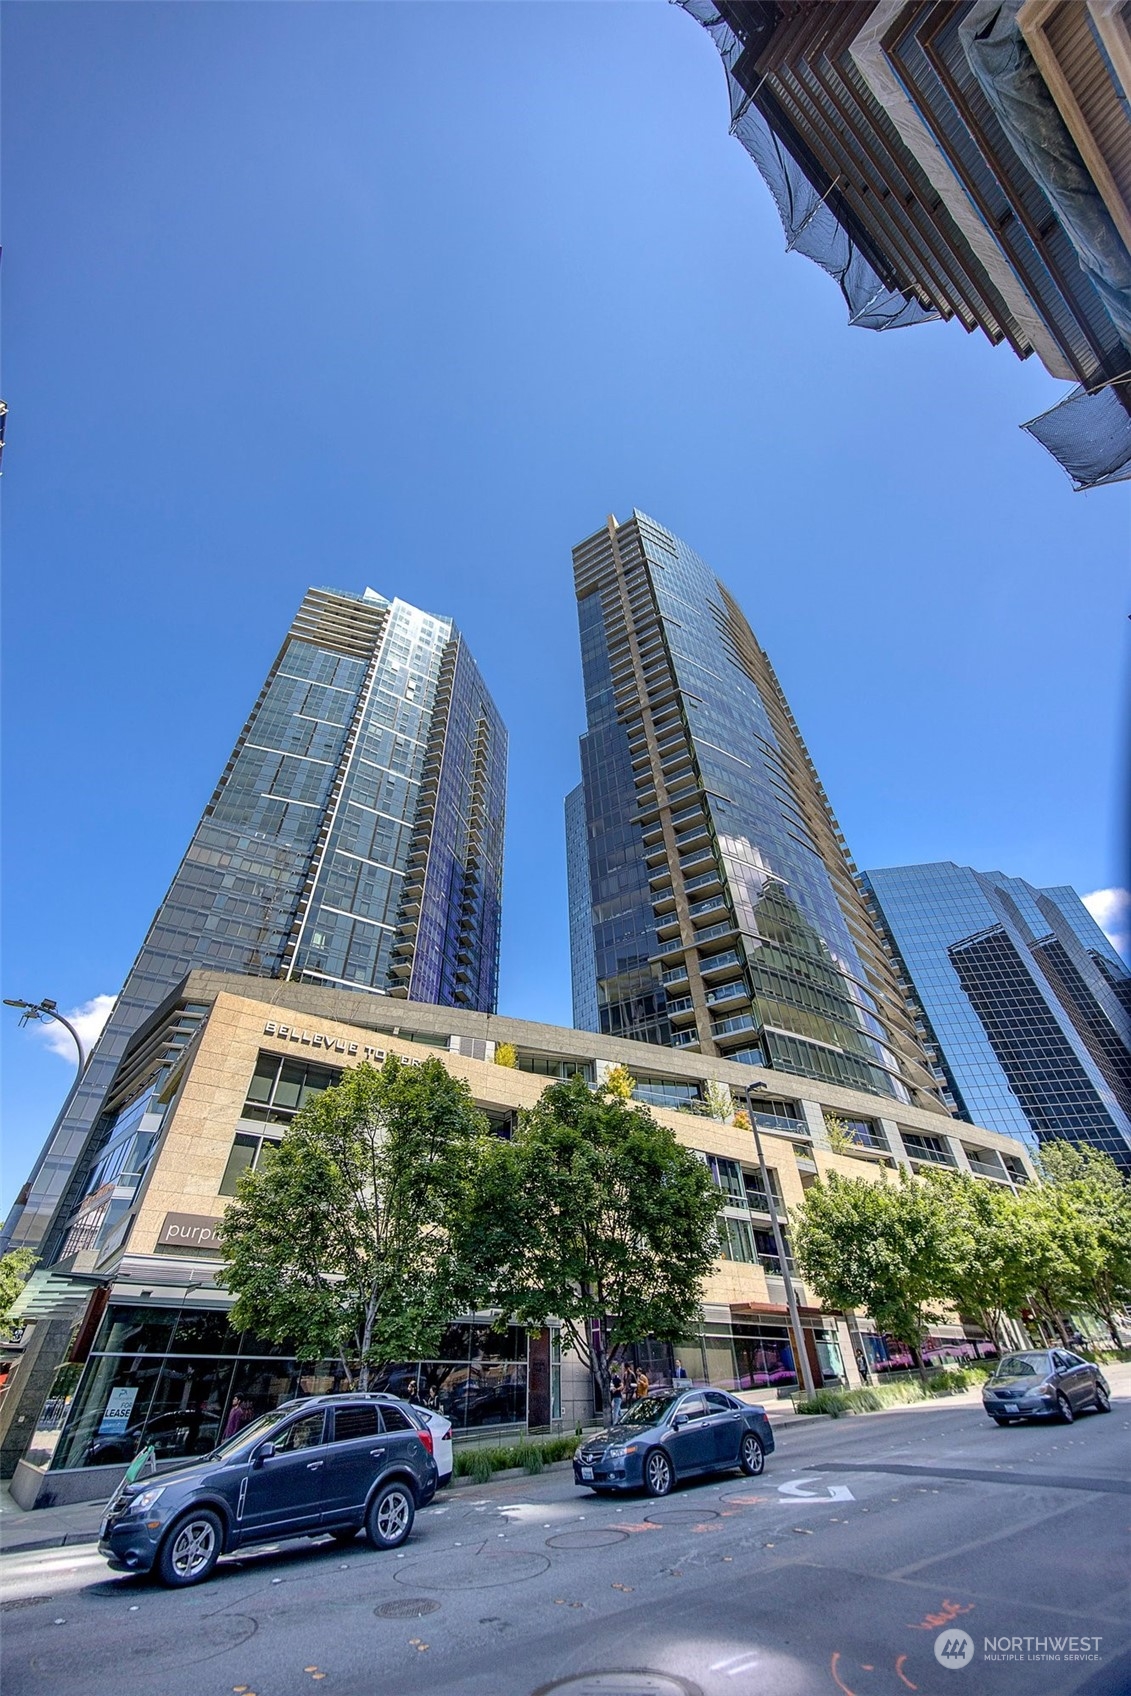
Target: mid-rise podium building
[[354, 840], [138, 1313], [714, 905]]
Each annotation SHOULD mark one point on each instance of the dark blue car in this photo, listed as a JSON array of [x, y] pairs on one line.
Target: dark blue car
[[336, 1464], [681, 1434]]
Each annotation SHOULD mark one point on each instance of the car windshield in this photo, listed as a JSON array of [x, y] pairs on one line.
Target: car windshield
[[1022, 1366], [647, 1412], [253, 1433]]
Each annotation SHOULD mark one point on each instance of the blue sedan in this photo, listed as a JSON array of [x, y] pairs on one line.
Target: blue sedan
[[681, 1434]]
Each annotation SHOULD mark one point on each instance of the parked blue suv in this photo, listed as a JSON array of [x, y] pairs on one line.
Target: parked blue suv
[[321, 1464]]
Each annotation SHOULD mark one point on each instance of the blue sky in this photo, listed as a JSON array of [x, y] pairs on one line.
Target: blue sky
[[414, 295]]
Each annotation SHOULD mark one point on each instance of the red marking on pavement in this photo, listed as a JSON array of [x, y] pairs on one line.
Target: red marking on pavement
[[948, 1611], [899, 1671], [837, 1680], [645, 1527]]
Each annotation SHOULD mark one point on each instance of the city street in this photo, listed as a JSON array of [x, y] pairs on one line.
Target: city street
[[866, 1541]]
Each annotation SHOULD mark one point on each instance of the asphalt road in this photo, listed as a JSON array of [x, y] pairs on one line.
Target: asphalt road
[[837, 1571]]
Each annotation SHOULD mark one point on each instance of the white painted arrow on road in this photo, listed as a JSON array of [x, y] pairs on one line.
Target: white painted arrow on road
[[795, 1490]]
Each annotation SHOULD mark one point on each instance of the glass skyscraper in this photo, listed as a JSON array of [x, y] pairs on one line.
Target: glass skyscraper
[[1026, 1000], [355, 839], [714, 906]]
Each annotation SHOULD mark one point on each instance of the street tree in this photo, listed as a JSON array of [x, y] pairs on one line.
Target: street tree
[[16, 1268], [879, 1247], [341, 1243], [596, 1215], [988, 1270], [1097, 1193]]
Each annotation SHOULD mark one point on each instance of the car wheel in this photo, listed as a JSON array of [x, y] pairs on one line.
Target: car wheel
[[752, 1456], [390, 1516], [1103, 1399], [191, 1549], [345, 1535], [1064, 1408], [658, 1474]]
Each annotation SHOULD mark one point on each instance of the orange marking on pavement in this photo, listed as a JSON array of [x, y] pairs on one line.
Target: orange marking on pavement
[[646, 1526], [837, 1680], [899, 1671]]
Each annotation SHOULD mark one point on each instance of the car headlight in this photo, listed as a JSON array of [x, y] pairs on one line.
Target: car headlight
[[616, 1452], [146, 1499]]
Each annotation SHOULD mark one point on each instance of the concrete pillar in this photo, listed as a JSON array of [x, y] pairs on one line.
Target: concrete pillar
[[848, 1355], [814, 1122], [894, 1140]]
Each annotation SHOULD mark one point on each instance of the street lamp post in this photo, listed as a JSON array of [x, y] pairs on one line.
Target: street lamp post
[[803, 1367], [49, 1010]]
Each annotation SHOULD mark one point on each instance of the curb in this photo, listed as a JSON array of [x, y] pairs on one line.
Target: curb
[[67, 1540], [511, 1472]]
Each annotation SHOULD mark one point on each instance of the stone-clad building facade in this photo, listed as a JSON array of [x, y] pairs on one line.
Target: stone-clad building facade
[[215, 1075]]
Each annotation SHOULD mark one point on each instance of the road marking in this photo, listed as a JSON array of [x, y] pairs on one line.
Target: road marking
[[796, 1491], [734, 1664]]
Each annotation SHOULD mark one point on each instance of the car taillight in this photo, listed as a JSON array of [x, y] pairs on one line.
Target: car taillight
[[426, 1439]]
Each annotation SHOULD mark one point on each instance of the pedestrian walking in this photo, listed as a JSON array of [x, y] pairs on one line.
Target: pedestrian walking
[[642, 1385], [679, 1376], [862, 1363], [238, 1417], [629, 1385], [616, 1396]]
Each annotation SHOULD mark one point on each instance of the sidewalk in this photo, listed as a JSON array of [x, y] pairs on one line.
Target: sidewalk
[[47, 1528]]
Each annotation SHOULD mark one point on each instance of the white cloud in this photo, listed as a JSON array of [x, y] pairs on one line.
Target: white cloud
[[88, 1020], [1111, 909]]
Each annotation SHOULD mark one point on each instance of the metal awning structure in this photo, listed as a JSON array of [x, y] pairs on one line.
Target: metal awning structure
[[46, 1294]]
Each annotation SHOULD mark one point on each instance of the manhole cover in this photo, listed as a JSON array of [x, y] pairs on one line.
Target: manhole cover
[[586, 1539], [744, 1501], [14, 1602], [637, 1682], [411, 1608], [676, 1516], [473, 1569]]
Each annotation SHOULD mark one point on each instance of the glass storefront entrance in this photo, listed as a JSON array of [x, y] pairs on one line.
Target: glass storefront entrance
[[177, 1379]]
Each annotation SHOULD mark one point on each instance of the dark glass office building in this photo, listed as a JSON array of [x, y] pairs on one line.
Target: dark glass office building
[[719, 907], [355, 839], [1022, 995]]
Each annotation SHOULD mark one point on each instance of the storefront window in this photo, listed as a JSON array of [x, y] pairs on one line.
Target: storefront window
[[175, 1379]]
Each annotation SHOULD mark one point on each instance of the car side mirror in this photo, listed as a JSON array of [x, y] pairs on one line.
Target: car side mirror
[[680, 1419], [262, 1453]]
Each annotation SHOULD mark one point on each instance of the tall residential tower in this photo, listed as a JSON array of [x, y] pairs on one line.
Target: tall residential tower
[[355, 839], [721, 910], [1026, 999]]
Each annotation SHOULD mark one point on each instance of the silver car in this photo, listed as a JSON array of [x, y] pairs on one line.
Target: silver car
[[1044, 1384]]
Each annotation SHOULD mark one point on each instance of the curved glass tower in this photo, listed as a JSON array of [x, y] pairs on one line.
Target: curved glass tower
[[722, 904], [354, 840]]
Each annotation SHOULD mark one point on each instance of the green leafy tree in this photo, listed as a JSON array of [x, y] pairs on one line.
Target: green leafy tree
[[15, 1270], [1097, 1196], [341, 1244], [841, 1139], [596, 1215], [880, 1247], [988, 1273], [719, 1102]]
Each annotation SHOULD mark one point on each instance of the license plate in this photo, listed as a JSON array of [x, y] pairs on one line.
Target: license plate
[[1011, 1407], [587, 1472]]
